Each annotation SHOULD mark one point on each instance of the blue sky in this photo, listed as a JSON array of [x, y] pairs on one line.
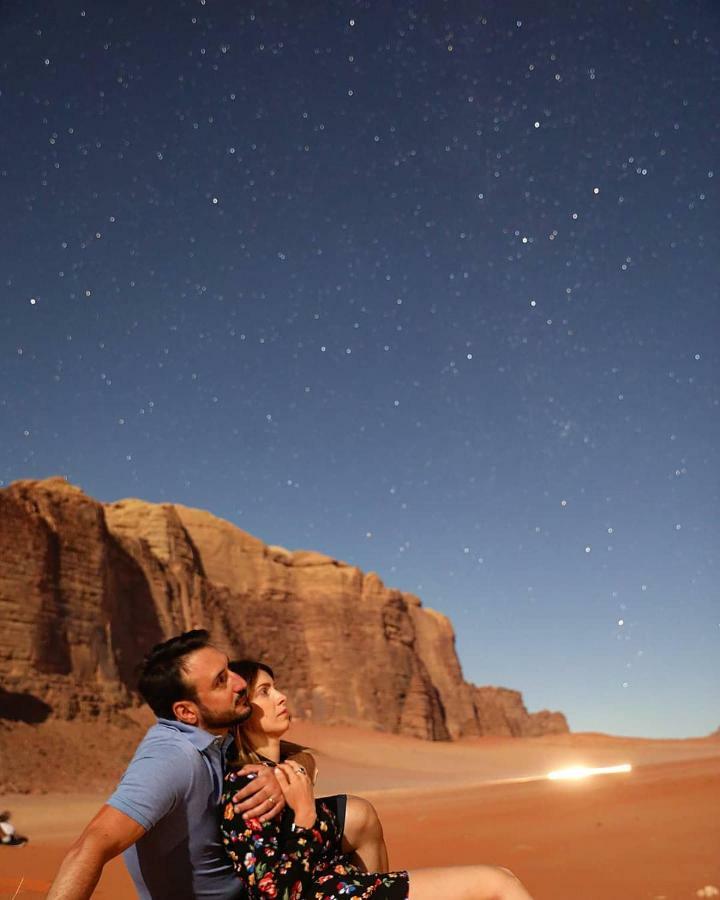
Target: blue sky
[[431, 290]]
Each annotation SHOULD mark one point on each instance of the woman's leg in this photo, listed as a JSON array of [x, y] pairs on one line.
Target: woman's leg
[[466, 883], [363, 836]]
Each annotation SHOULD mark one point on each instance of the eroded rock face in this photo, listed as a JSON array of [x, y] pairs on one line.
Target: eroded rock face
[[501, 711], [86, 589]]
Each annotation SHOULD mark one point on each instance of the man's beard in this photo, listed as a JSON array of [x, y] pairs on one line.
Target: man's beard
[[226, 719]]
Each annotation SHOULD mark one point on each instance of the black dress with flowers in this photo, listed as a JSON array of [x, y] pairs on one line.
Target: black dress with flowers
[[279, 862]]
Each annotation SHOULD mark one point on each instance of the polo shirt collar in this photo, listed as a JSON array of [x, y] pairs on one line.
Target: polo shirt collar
[[198, 737]]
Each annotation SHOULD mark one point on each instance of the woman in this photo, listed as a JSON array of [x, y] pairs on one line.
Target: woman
[[298, 855], [358, 825]]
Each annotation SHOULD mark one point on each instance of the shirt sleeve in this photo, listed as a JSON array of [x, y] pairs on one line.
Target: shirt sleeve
[[152, 786], [272, 861]]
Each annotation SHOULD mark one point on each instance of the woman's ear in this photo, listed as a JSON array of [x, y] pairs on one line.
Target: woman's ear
[[186, 711]]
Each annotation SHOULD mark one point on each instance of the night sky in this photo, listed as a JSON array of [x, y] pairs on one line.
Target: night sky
[[432, 288]]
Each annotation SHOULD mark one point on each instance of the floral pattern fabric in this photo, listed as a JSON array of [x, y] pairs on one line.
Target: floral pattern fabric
[[278, 862]]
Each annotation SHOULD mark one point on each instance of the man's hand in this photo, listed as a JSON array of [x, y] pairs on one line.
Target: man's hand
[[109, 833], [261, 798]]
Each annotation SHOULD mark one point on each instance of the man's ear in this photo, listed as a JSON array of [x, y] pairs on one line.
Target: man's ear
[[186, 711]]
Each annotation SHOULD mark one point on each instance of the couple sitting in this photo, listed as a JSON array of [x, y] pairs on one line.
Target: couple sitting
[[200, 815]]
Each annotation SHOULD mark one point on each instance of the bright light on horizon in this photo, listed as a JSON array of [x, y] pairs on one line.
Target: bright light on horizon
[[575, 773]]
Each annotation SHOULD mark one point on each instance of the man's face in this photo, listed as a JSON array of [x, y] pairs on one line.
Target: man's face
[[221, 695]]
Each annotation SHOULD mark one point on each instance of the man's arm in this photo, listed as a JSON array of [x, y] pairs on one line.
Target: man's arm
[[262, 798], [107, 835]]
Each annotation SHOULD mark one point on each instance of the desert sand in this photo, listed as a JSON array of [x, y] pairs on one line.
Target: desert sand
[[651, 833]]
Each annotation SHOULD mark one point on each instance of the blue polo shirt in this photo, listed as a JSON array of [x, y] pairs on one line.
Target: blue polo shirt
[[172, 788]]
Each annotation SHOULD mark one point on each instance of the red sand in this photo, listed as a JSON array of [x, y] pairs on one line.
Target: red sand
[[653, 833]]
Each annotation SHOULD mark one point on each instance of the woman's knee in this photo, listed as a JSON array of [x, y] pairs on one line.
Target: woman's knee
[[508, 885], [466, 883], [361, 818]]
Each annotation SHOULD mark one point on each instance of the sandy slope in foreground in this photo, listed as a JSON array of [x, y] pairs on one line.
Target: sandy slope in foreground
[[654, 833]]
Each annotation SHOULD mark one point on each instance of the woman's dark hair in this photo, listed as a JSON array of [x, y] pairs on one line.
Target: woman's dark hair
[[248, 670], [162, 678]]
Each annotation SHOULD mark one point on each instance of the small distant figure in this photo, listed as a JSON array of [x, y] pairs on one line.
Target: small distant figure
[[8, 836]]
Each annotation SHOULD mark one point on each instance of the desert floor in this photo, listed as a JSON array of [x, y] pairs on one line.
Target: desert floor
[[652, 833]]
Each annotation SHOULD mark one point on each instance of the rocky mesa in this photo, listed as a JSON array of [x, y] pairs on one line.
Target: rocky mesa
[[86, 588]]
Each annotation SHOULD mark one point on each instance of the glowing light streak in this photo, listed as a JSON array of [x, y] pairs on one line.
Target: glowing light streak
[[575, 773]]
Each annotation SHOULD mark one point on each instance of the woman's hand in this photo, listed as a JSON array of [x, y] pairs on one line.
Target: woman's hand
[[298, 792]]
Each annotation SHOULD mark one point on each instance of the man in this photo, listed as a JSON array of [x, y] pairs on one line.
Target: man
[[164, 813]]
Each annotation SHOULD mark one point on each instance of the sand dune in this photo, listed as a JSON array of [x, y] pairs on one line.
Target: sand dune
[[653, 833]]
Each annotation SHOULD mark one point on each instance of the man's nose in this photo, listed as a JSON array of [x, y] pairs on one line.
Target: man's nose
[[238, 682]]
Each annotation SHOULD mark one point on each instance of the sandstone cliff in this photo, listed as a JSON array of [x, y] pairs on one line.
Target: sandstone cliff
[[86, 588]]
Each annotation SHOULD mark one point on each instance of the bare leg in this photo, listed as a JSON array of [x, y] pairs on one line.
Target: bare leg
[[466, 883], [363, 836]]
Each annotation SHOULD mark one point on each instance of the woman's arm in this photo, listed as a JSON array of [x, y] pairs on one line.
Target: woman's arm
[[298, 754], [268, 858]]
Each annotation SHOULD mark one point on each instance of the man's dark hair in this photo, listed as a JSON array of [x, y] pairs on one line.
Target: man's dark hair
[[162, 677]]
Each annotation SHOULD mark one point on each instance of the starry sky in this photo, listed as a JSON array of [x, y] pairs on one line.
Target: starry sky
[[431, 287]]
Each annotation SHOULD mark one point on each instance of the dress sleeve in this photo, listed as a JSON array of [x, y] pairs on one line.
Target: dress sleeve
[[271, 861]]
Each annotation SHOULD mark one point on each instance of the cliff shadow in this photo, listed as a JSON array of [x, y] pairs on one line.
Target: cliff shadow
[[131, 611], [51, 647], [18, 707]]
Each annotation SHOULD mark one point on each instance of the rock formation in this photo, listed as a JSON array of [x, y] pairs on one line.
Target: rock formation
[[86, 588], [502, 711]]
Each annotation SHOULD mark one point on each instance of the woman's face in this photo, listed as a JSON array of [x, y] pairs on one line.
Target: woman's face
[[270, 714]]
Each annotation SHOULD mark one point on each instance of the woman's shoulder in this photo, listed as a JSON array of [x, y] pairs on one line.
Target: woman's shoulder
[[233, 773], [233, 782]]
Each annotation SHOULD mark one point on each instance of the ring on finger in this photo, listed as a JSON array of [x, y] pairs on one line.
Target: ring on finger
[[271, 801]]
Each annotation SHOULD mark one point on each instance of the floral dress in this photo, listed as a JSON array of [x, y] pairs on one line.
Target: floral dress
[[275, 859]]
